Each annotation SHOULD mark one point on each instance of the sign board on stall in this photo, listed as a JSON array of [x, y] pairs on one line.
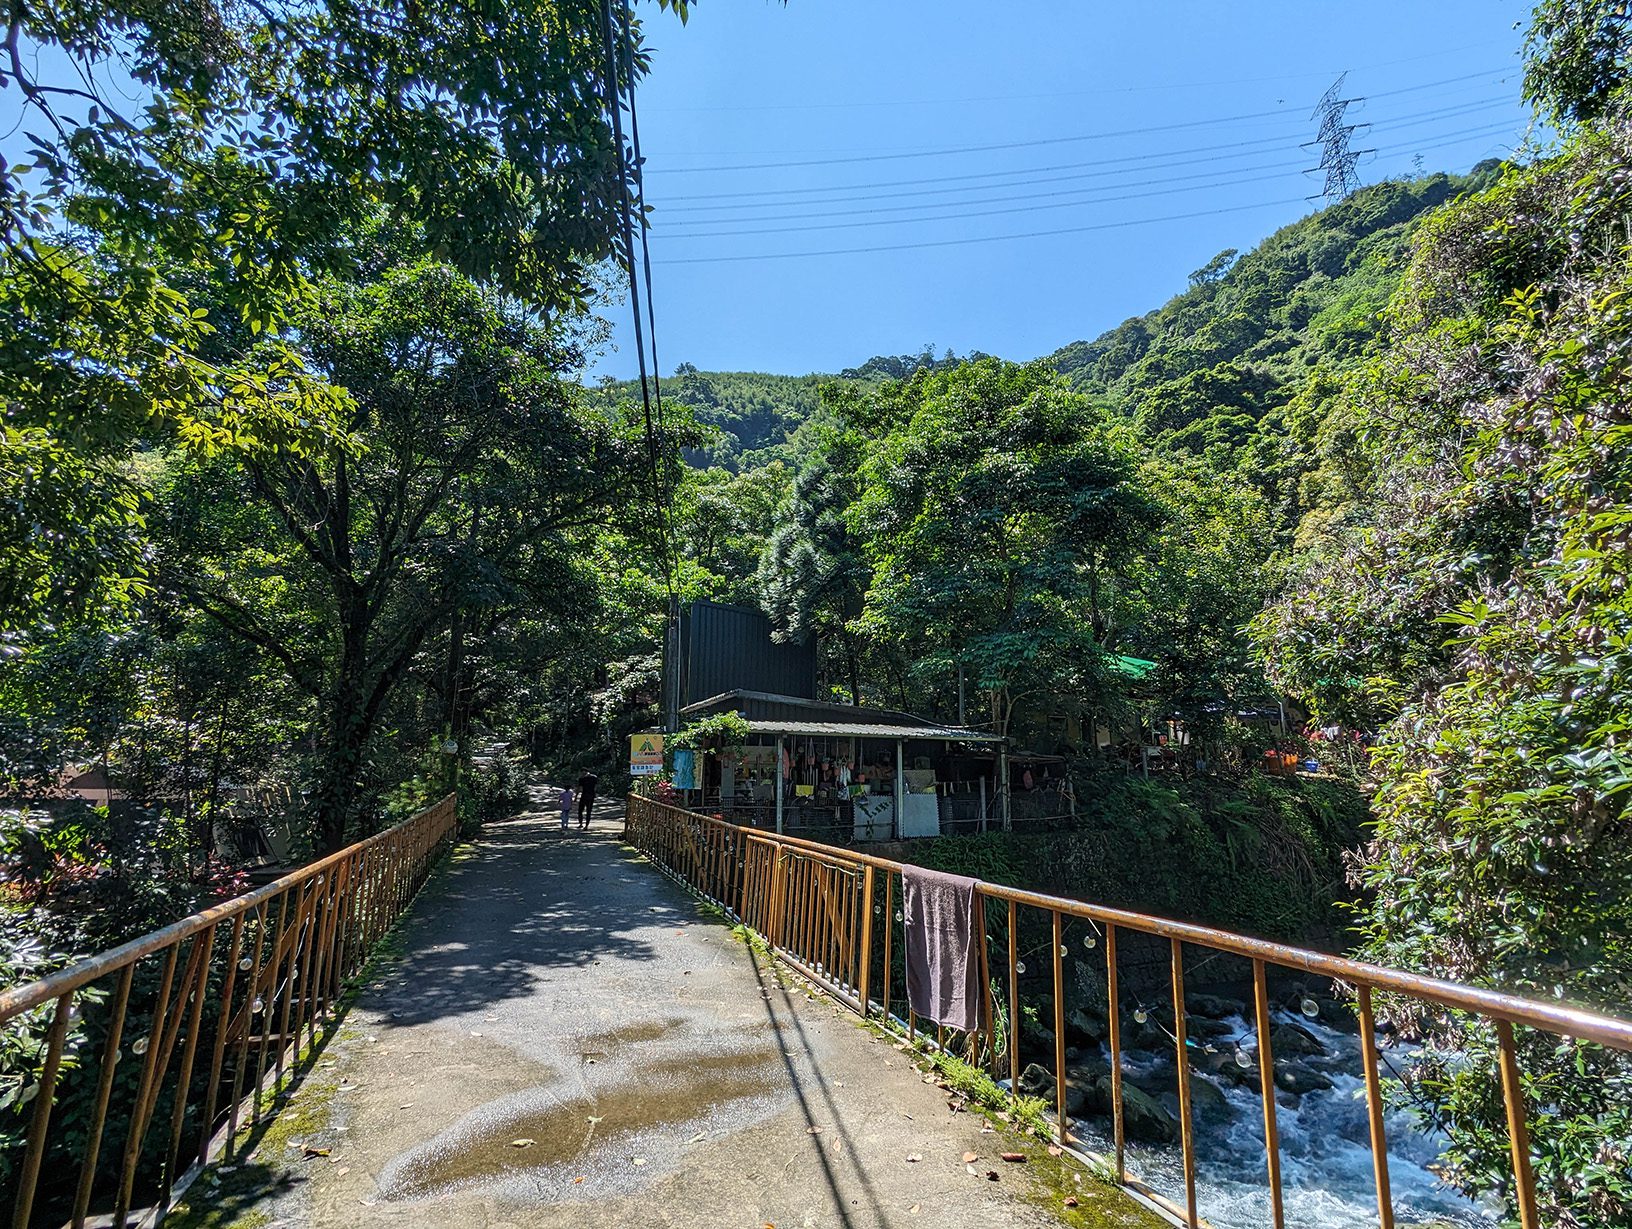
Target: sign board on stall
[[645, 754], [685, 770]]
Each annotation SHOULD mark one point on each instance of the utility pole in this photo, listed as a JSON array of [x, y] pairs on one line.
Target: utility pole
[[1337, 159]]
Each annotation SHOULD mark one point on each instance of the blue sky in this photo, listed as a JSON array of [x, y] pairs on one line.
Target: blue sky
[[1211, 101]]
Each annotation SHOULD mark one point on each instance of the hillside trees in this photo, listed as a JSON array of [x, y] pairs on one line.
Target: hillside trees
[[813, 574], [999, 512], [1576, 56], [264, 138], [1477, 600], [473, 466]]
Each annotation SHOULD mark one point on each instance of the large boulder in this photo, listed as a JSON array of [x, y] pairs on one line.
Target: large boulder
[[1036, 1081], [1294, 1041], [1202, 1028], [1213, 1006], [1207, 1101], [1299, 1078], [1086, 1027], [1143, 1116]]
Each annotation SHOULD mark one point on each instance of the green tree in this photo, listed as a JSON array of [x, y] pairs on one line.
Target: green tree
[[998, 510], [1576, 54], [468, 465], [152, 259], [813, 574]]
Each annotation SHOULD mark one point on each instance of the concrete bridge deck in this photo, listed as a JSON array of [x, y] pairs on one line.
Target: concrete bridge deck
[[567, 1039]]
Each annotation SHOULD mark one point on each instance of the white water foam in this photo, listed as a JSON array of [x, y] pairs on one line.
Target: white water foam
[[1326, 1166]]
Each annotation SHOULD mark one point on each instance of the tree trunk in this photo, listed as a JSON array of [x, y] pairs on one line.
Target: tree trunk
[[340, 754], [208, 832], [335, 797]]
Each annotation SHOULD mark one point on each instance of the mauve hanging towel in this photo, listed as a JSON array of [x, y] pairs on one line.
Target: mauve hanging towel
[[943, 963]]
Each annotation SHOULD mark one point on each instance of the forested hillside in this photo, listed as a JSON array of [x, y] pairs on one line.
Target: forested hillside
[[1243, 369]]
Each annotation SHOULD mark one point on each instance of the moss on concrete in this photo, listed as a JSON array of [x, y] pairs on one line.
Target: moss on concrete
[[1077, 1197]]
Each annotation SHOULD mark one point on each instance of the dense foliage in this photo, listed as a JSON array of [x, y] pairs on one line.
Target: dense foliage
[[1482, 593], [299, 487]]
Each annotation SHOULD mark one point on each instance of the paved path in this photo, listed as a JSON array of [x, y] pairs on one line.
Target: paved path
[[567, 1040]]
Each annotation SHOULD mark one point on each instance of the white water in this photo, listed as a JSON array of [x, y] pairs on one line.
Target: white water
[[1326, 1169]]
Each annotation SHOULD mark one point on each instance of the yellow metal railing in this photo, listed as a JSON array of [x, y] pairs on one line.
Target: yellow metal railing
[[213, 1005], [816, 905]]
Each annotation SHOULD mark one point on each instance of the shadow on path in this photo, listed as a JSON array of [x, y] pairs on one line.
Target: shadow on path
[[797, 1043], [510, 910]]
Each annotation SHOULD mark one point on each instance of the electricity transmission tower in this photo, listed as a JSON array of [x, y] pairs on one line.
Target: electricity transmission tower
[[1337, 158]]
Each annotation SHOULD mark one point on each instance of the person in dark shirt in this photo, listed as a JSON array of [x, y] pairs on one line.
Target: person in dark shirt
[[586, 798]]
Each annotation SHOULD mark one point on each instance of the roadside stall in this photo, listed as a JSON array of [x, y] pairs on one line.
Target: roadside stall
[[835, 771]]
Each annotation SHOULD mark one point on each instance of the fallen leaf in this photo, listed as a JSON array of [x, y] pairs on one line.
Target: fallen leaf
[[838, 1144], [1054, 1150], [970, 1158], [311, 1151], [971, 1171], [578, 1179], [1013, 1157], [991, 1175], [914, 1209], [813, 1130], [1070, 1201], [408, 1106], [523, 1142], [913, 1158]]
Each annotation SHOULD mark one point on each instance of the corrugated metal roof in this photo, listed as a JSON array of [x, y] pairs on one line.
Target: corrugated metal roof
[[858, 729], [766, 706]]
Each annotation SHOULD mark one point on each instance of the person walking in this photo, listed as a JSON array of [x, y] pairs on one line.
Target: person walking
[[566, 806], [586, 798]]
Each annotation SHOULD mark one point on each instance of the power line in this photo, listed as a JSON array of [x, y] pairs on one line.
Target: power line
[[1212, 176], [984, 239], [943, 243], [1288, 113], [615, 101], [1164, 87], [666, 492], [978, 149], [1209, 183], [730, 207], [1234, 149], [1223, 152], [977, 213], [1008, 145]]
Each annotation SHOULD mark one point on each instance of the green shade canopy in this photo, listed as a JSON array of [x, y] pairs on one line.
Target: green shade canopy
[[1135, 668]]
